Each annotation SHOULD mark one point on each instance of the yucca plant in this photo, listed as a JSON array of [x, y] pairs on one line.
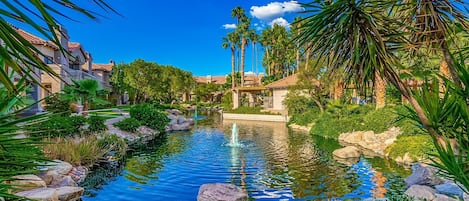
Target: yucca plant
[[449, 116]]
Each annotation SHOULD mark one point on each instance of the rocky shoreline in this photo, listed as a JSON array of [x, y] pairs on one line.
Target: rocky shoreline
[[58, 180]]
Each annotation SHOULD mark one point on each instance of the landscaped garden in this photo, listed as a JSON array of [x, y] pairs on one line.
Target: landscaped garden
[[379, 110]]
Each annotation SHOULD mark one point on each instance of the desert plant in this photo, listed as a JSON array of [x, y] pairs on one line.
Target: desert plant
[[85, 151], [128, 124]]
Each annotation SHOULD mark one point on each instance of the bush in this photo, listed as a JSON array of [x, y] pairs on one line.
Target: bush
[[306, 117], [247, 110], [150, 116], [57, 126], [114, 143], [128, 124], [96, 123], [418, 147], [298, 104], [56, 104]]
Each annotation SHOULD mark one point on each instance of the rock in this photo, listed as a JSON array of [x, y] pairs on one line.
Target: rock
[[144, 130], [70, 193], [423, 175], [49, 176], [61, 167], [466, 197], [405, 160], [42, 194], [221, 192], [172, 116], [347, 152], [65, 181], [368, 140], [181, 120], [352, 138], [190, 121], [441, 197], [421, 192], [347, 161], [181, 127], [449, 188], [27, 182]]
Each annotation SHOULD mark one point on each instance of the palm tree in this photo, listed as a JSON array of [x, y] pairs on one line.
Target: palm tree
[[254, 38], [86, 92], [231, 41], [242, 29]]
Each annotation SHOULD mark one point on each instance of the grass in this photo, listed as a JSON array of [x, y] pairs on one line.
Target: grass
[[418, 147], [83, 151]]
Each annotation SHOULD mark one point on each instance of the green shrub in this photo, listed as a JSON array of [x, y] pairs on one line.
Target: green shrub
[[128, 124], [418, 146], [298, 104], [380, 120], [56, 104], [113, 143], [57, 126], [96, 123], [331, 127], [306, 117], [150, 116], [227, 100]]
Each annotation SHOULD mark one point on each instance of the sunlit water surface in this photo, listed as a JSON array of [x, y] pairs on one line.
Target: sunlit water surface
[[273, 163]]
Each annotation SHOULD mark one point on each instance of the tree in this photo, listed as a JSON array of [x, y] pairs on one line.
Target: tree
[[232, 41], [86, 92], [204, 91], [242, 30]]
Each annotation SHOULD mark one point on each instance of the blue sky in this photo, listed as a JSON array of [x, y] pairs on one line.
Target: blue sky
[[185, 34]]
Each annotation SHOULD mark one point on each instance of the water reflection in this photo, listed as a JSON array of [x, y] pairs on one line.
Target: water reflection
[[274, 163]]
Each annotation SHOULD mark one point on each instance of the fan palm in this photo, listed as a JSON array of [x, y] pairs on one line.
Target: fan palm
[[86, 92], [232, 41]]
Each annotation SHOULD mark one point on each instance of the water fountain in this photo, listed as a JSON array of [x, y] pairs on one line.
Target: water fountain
[[234, 142]]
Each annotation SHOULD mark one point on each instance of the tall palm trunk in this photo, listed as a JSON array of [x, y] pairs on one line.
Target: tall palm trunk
[[450, 63], [243, 51], [308, 54], [233, 69], [338, 90], [380, 91], [444, 71]]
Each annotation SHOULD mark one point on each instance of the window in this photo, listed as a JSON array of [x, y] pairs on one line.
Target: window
[[48, 60], [75, 66]]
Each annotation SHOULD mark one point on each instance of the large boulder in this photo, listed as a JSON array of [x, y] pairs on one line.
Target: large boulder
[[221, 192], [181, 127], [441, 197], [68, 193], [49, 176], [61, 167], [421, 192], [423, 175], [28, 182], [42, 194], [368, 140], [347, 152], [449, 188]]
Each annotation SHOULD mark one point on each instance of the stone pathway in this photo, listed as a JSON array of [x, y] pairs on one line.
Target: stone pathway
[[112, 129]]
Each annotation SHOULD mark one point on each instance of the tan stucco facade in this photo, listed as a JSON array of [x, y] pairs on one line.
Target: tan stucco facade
[[278, 96]]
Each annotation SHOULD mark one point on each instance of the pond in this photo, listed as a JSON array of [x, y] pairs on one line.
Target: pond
[[272, 163]]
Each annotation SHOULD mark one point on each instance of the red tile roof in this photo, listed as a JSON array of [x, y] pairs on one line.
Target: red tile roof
[[284, 82], [35, 40], [211, 79], [104, 67]]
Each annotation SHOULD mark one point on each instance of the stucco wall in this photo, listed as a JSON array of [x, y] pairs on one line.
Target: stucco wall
[[278, 97]]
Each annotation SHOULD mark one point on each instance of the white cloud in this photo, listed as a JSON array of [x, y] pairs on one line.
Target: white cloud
[[275, 10], [280, 21], [229, 26]]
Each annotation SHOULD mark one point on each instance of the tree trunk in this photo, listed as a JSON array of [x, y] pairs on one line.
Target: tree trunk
[[85, 109], [444, 71], [450, 63], [243, 51], [233, 70], [338, 90], [319, 104], [308, 54], [405, 91], [380, 91]]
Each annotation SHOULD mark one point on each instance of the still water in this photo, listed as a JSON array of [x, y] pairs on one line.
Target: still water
[[272, 163]]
